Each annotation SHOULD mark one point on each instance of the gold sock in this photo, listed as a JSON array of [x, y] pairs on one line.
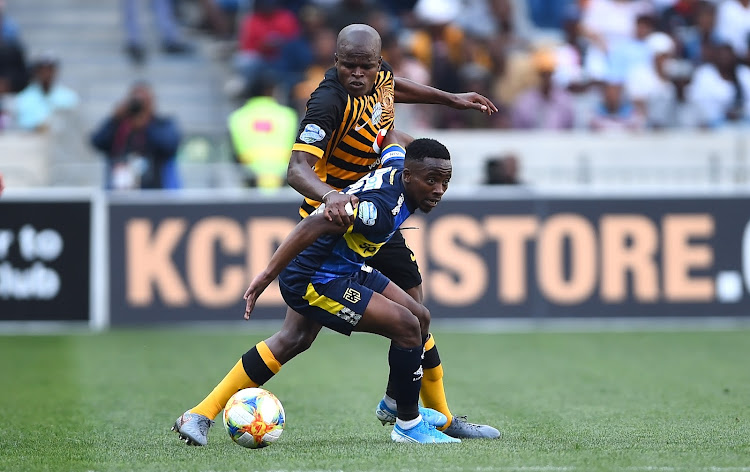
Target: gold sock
[[258, 359], [433, 392]]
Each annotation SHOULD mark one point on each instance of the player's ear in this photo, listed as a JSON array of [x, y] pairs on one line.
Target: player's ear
[[407, 175]]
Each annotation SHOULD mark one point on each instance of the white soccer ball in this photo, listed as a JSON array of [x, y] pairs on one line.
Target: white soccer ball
[[254, 418]]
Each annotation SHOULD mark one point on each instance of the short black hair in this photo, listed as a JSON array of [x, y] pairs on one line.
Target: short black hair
[[420, 148]]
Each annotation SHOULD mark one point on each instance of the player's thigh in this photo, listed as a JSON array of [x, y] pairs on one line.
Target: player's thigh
[[398, 295], [392, 320]]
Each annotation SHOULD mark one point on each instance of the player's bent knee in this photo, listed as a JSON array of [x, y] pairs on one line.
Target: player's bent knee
[[424, 317], [408, 329]]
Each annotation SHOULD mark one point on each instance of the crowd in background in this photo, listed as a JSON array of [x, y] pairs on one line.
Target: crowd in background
[[599, 65], [560, 64]]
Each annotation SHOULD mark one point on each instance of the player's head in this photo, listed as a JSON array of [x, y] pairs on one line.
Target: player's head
[[357, 58], [427, 172]]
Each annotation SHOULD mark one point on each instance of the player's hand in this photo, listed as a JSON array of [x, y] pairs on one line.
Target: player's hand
[[336, 210], [473, 101], [251, 296]]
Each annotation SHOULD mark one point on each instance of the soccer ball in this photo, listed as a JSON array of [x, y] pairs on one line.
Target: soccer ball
[[254, 418]]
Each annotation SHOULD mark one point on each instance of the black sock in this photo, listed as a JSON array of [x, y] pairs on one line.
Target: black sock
[[389, 389], [405, 379]]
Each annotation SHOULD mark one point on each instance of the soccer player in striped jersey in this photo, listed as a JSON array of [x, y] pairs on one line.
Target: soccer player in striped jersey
[[334, 148]]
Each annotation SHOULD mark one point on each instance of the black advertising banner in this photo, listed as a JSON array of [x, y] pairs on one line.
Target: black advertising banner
[[44, 260], [507, 258], [193, 262]]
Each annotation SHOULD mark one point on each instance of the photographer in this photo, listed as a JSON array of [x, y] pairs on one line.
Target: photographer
[[140, 146]]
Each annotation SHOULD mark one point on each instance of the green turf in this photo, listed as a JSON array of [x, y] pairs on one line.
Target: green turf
[[596, 401]]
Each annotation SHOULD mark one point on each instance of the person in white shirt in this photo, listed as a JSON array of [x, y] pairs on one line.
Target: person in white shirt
[[720, 89], [733, 26], [650, 87], [43, 97]]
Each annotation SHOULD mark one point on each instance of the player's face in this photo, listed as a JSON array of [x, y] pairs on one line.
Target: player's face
[[427, 181], [357, 70]]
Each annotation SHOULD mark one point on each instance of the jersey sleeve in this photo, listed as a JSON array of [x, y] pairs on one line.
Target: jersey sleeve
[[324, 113], [373, 219], [393, 156]]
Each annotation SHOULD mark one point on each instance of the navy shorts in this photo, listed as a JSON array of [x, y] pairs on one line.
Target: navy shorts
[[338, 304]]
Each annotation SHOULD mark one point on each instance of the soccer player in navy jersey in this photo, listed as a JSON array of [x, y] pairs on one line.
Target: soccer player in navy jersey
[[325, 281]]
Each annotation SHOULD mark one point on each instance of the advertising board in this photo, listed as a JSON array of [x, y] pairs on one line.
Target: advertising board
[[505, 258]]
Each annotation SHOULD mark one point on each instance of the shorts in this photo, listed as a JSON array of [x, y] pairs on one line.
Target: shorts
[[397, 262], [338, 304]]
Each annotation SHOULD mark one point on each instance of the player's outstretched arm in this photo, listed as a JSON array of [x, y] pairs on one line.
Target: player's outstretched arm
[[408, 91], [303, 235]]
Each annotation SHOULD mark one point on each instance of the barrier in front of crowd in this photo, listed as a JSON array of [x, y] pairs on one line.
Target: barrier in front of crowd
[[160, 257]]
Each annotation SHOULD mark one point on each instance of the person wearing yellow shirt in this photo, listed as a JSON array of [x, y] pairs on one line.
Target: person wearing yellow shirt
[[263, 132]]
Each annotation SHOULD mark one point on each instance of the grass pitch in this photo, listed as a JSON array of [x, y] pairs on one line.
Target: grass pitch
[[566, 402]]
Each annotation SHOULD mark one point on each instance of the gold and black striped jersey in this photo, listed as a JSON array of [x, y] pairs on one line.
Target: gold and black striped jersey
[[339, 130]]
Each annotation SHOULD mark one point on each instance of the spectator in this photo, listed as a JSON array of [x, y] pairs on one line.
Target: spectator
[[263, 34], [615, 112], [569, 56], [347, 12], [605, 23], [300, 53], [44, 96], [139, 145], [404, 64], [13, 70], [695, 39], [323, 48], [263, 132], [8, 28], [171, 40], [438, 43], [720, 89], [547, 106], [502, 170], [650, 86], [733, 26]]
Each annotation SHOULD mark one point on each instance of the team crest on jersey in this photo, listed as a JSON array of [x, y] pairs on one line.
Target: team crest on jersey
[[312, 134], [367, 213], [377, 113], [397, 208]]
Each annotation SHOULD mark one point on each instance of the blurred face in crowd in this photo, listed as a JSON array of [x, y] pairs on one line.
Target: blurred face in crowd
[[724, 57], [706, 18], [357, 58], [612, 97], [45, 74], [141, 99]]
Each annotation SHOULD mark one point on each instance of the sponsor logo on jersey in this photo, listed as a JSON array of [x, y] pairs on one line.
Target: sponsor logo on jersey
[[368, 248], [368, 213], [312, 134]]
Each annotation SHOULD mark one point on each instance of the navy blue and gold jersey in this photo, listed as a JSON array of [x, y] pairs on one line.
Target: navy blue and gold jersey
[[339, 130], [381, 210]]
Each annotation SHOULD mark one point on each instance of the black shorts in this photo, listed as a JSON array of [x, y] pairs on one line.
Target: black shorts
[[397, 262]]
